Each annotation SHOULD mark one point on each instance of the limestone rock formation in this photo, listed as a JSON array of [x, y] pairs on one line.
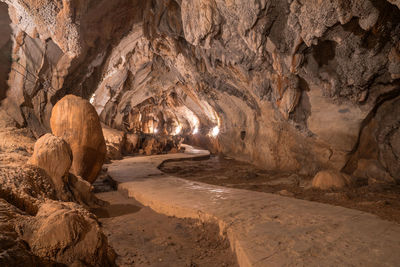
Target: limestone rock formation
[[115, 142], [26, 191], [53, 155], [75, 120], [373, 171], [331, 179], [295, 86], [16, 144], [291, 85], [26, 187], [131, 143], [82, 192], [68, 234], [13, 251], [5, 48], [56, 232], [161, 144]]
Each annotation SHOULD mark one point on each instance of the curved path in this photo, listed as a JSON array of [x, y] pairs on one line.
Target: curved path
[[263, 229]]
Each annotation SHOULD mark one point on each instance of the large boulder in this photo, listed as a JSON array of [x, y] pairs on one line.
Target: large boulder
[[328, 179], [76, 121], [53, 154], [66, 233]]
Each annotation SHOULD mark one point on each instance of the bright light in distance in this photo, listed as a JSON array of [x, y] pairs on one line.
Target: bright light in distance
[[92, 99], [215, 131], [155, 130], [196, 130], [178, 130]]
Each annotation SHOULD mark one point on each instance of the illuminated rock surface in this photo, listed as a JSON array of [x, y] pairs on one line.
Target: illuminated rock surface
[[75, 120], [53, 155], [293, 86], [310, 88]]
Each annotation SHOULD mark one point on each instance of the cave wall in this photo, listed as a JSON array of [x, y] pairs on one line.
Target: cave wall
[[292, 85], [5, 49]]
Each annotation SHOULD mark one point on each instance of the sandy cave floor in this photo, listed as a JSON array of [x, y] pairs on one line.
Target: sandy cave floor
[[382, 200], [142, 237]]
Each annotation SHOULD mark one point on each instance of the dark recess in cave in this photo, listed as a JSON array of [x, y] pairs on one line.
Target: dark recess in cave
[[324, 52], [5, 49]]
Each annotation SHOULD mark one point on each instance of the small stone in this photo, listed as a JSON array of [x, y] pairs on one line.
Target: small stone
[[331, 179], [286, 193]]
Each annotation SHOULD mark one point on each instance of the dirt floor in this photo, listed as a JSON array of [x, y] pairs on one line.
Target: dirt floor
[[380, 199], [142, 237]]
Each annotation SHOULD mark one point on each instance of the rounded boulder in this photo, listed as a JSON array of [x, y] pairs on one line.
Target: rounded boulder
[[52, 154], [330, 179], [76, 121]]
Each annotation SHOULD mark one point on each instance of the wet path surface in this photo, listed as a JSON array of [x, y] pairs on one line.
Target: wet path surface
[[264, 229]]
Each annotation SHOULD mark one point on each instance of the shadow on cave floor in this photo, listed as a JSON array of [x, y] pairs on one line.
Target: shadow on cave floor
[[146, 238], [115, 210], [382, 200]]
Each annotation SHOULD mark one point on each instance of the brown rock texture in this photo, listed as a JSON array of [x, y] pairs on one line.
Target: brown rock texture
[[131, 143], [62, 232], [5, 48], [115, 142], [26, 187], [291, 85], [66, 233], [53, 155], [29, 195], [328, 179], [373, 171], [13, 251], [75, 120]]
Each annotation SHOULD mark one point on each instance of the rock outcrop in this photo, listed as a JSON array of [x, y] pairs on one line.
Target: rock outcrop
[[115, 142], [5, 48], [26, 188], [131, 143], [53, 155], [373, 171], [153, 145], [68, 234], [75, 120], [56, 232], [13, 251], [291, 85]]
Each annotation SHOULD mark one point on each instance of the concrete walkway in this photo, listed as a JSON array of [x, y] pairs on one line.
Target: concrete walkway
[[264, 229]]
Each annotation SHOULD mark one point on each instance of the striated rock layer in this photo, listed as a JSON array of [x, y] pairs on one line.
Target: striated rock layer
[[291, 85]]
